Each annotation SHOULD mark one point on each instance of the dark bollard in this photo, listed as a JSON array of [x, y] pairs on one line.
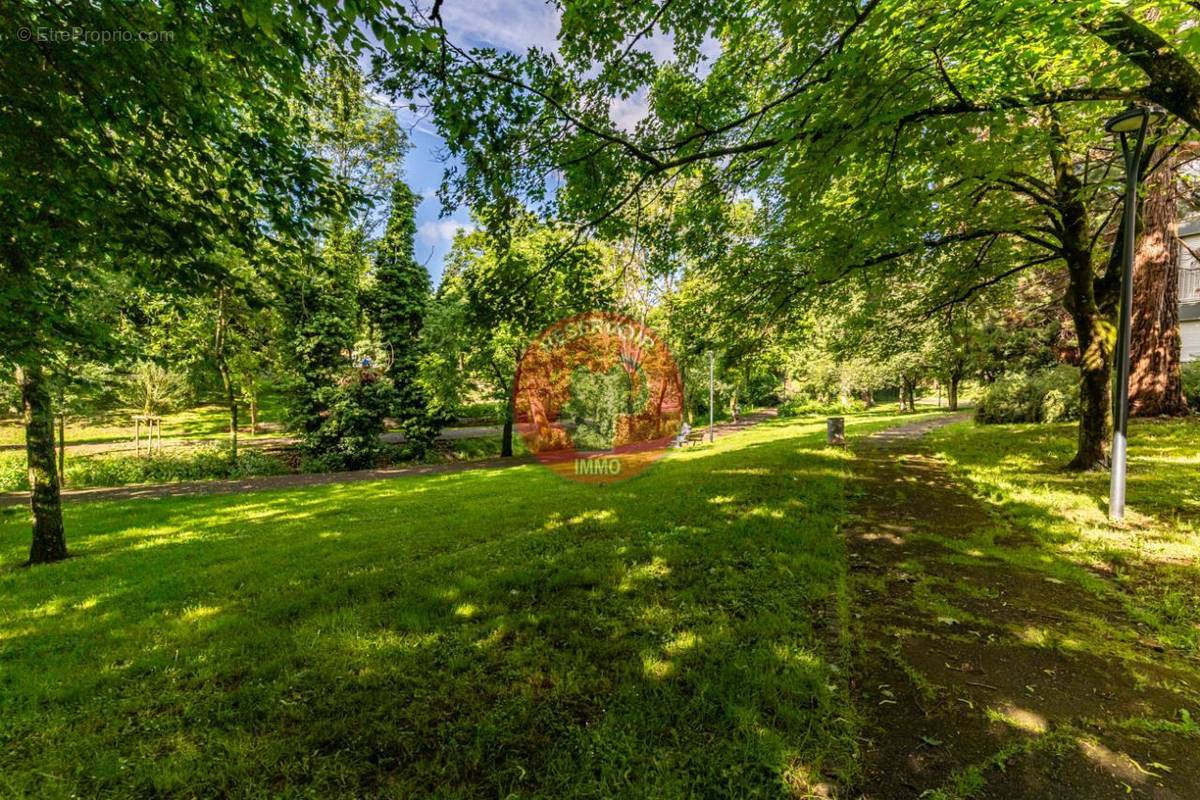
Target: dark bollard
[[835, 431]]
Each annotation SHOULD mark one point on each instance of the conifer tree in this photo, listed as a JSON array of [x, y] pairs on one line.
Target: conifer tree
[[399, 298]]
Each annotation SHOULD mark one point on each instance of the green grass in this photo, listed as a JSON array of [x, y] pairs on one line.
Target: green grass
[[484, 633], [1151, 559], [200, 422]]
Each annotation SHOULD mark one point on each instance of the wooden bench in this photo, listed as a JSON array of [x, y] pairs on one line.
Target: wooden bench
[[693, 437]]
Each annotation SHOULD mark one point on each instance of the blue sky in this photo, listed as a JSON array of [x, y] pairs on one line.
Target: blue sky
[[514, 25], [509, 24]]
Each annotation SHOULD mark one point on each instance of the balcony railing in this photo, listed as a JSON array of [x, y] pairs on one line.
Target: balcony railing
[[1189, 285]]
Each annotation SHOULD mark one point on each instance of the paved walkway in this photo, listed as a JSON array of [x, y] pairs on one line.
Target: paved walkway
[[247, 440], [317, 479], [976, 673]]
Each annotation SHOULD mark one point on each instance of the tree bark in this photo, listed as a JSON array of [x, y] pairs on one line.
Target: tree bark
[[1174, 81], [62, 448], [45, 503], [233, 421], [952, 390], [506, 442], [908, 391], [219, 341], [1155, 383], [1092, 303]]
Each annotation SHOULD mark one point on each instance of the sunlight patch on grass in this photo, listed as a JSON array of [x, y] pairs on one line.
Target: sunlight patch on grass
[[1150, 558], [487, 633], [1021, 718], [466, 611], [198, 613]]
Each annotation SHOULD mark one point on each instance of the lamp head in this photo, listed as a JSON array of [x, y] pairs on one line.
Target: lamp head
[[1130, 120]]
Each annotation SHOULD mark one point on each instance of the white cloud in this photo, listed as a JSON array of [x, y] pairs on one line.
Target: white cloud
[[441, 231], [514, 25], [660, 46], [627, 113]]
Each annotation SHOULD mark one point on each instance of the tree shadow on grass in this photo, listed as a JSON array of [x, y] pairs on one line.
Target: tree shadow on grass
[[461, 635], [994, 663]]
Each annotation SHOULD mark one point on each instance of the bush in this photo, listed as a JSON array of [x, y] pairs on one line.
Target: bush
[[348, 434], [14, 473], [1049, 395], [1191, 385], [10, 399], [801, 407], [154, 389], [120, 470]]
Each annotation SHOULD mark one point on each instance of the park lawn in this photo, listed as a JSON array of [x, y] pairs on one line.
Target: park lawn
[[1151, 561], [199, 422], [471, 634]]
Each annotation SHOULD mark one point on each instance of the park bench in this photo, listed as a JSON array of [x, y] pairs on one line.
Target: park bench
[[686, 438]]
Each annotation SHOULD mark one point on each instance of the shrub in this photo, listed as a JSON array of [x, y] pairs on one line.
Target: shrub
[[154, 389], [10, 399], [120, 470], [1191, 385], [1048, 395], [348, 434], [800, 407], [14, 473]]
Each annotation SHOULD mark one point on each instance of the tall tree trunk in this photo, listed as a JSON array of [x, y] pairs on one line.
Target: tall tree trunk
[[1096, 333], [232, 405], [1155, 383], [685, 392], [506, 442], [231, 396], [1092, 304], [49, 536], [1095, 343], [219, 341], [254, 412], [952, 389], [908, 391], [62, 448]]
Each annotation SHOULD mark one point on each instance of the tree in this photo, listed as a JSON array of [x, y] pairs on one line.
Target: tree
[[339, 409], [512, 288], [1155, 382], [398, 301], [320, 308], [839, 129], [105, 175]]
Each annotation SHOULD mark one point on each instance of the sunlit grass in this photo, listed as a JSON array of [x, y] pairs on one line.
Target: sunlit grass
[[455, 635], [1153, 557], [199, 422]]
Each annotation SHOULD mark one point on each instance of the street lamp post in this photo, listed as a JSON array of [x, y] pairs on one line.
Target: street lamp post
[[1136, 119], [711, 398]]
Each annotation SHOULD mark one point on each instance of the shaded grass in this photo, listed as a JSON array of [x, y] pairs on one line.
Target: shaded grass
[[479, 633], [1151, 558]]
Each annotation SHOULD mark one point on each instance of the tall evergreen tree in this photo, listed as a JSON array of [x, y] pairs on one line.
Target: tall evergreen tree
[[319, 310], [400, 296]]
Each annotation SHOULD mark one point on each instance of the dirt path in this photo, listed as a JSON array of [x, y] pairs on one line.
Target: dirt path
[[316, 479], [980, 678]]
